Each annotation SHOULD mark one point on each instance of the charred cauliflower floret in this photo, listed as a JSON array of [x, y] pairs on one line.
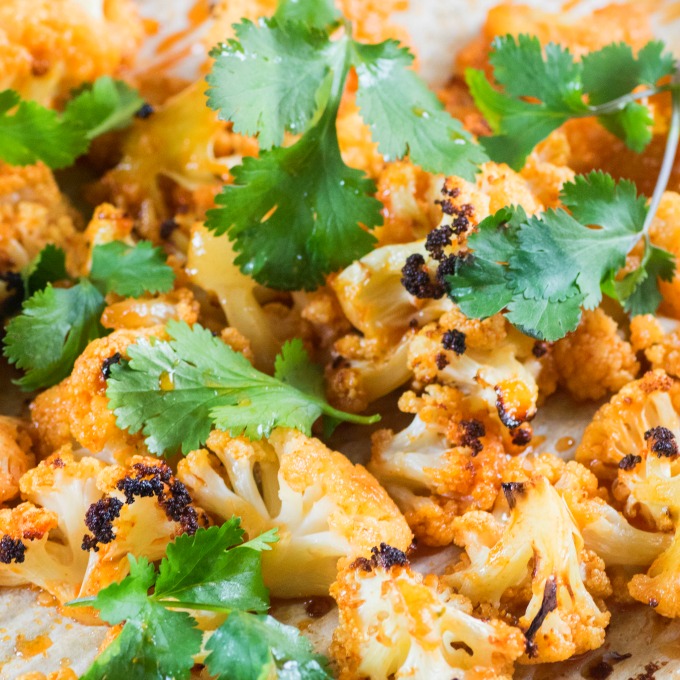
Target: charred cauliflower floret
[[486, 359], [48, 48], [618, 428], [395, 623], [45, 533], [16, 456], [534, 569], [78, 406], [448, 460], [143, 508], [659, 339], [594, 359], [326, 508], [33, 213]]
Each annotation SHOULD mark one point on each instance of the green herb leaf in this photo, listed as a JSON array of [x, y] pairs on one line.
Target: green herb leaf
[[53, 329], [306, 185], [201, 570], [30, 133], [211, 385], [405, 116], [246, 647], [544, 269], [268, 80], [558, 86], [314, 13], [131, 270], [49, 266]]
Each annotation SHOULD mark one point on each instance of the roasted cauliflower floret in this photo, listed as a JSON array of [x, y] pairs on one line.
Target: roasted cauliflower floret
[[16, 455], [618, 428], [143, 508], [486, 359], [395, 623], [47, 531], [594, 359], [448, 460], [326, 509], [49, 48], [535, 569], [33, 213], [78, 406], [659, 339]]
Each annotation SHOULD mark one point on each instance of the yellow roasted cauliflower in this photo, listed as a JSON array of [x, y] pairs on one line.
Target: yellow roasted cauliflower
[[328, 510], [395, 623], [531, 566], [16, 455]]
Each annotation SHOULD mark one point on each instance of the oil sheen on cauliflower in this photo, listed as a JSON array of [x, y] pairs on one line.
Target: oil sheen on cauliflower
[[534, 568], [326, 508], [395, 623], [16, 456]]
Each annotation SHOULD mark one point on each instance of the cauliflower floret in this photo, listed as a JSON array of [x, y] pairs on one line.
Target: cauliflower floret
[[45, 533], [659, 339], [76, 410], [594, 359], [326, 509], [487, 359], [618, 427], [182, 142], [395, 623], [16, 455], [143, 508], [210, 265], [448, 460], [535, 567], [33, 213], [48, 48], [665, 233]]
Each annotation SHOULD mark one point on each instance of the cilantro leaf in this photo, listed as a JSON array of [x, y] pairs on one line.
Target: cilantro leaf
[[130, 270], [269, 78], [306, 185], [561, 88], [49, 266], [405, 116], [30, 133], [211, 385], [314, 13], [53, 329], [103, 106], [544, 269], [155, 643], [246, 647], [202, 570]]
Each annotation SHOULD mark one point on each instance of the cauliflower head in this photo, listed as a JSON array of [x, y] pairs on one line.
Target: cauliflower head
[[448, 460], [16, 455], [535, 570], [326, 509], [49, 48], [618, 428], [396, 623]]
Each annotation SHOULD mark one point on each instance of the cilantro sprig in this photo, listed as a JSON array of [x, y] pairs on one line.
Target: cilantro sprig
[[298, 212], [541, 88], [543, 270], [176, 391], [56, 324], [211, 571], [30, 132]]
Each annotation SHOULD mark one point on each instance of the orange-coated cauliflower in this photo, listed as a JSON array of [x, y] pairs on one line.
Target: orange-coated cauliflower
[[395, 623], [327, 509], [594, 359], [659, 339], [16, 456], [618, 428], [448, 460], [50, 47], [531, 566], [33, 213]]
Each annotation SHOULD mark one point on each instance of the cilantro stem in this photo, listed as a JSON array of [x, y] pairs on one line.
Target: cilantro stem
[[179, 604], [617, 104], [349, 417], [666, 164]]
